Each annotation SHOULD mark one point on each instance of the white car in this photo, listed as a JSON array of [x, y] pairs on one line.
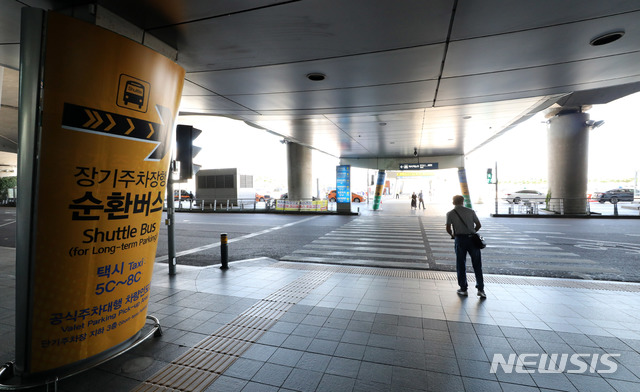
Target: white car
[[526, 195]]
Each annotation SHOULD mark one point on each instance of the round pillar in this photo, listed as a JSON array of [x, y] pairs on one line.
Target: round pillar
[[379, 189], [299, 165], [568, 148], [464, 187]]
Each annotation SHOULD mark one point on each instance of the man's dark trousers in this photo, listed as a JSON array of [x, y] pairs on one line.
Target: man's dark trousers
[[463, 245]]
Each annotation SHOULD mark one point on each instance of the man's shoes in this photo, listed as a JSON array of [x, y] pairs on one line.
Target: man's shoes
[[481, 294], [462, 292]]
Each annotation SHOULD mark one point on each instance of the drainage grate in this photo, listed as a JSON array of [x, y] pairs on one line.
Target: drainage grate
[[451, 276], [199, 367]]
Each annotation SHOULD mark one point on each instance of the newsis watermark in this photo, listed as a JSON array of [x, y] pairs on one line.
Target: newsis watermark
[[555, 363]]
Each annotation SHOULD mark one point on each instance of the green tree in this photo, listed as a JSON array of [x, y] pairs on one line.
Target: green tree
[[7, 183]]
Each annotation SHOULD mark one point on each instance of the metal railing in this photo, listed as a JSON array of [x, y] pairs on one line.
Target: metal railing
[[249, 205], [568, 206]]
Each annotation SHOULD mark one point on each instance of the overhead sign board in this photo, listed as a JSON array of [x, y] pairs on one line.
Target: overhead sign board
[[419, 166], [107, 119]]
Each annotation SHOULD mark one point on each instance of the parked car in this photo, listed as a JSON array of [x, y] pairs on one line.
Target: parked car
[[356, 198], [526, 195], [182, 195], [614, 195], [262, 197]]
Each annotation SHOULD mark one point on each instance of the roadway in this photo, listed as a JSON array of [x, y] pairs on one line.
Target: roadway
[[398, 237], [606, 249]]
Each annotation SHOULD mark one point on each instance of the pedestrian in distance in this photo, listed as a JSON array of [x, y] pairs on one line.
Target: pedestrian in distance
[[413, 201], [462, 223], [420, 201]]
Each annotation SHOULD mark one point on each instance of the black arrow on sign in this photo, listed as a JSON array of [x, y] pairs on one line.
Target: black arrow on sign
[[84, 119]]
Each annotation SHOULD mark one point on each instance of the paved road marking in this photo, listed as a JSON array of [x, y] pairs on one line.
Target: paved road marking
[[8, 223], [360, 254], [373, 247], [511, 249], [369, 242], [393, 241], [244, 237], [598, 242], [369, 237]]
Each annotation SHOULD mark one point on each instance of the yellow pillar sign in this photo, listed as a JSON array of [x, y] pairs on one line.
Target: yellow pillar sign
[[107, 119]]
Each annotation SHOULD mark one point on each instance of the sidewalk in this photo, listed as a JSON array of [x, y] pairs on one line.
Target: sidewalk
[[265, 325]]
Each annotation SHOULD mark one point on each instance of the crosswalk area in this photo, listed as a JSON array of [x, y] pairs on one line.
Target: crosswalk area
[[509, 250], [421, 242], [370, 240]]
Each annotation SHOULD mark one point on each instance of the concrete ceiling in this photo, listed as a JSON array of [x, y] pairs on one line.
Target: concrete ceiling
[[442, 76]]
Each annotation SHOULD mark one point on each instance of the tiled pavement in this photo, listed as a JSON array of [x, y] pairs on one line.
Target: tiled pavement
[[339, 328]]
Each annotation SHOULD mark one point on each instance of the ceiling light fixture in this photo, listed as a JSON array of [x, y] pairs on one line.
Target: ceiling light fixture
[[607, 38], [316, 76]]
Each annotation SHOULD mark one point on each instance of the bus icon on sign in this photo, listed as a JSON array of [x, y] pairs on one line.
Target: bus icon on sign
[[133, 93]]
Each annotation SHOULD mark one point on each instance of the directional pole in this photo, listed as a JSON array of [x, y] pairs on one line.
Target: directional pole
[[171, 222], [496, 182], [224, 252]]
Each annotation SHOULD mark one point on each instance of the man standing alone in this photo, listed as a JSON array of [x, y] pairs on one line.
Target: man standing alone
[[462, 224]]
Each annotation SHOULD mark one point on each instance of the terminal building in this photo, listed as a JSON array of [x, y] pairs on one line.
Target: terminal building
[[224, 187]]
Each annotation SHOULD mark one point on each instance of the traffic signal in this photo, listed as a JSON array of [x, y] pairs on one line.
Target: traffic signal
[[186, 151], [489, 175]]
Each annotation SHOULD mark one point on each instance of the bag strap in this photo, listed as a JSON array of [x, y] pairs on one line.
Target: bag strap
[[462, 220]]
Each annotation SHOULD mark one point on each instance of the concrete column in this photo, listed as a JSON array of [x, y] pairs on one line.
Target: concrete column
[[464, 187], [568, 149], [299, 172], [379, 188]]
